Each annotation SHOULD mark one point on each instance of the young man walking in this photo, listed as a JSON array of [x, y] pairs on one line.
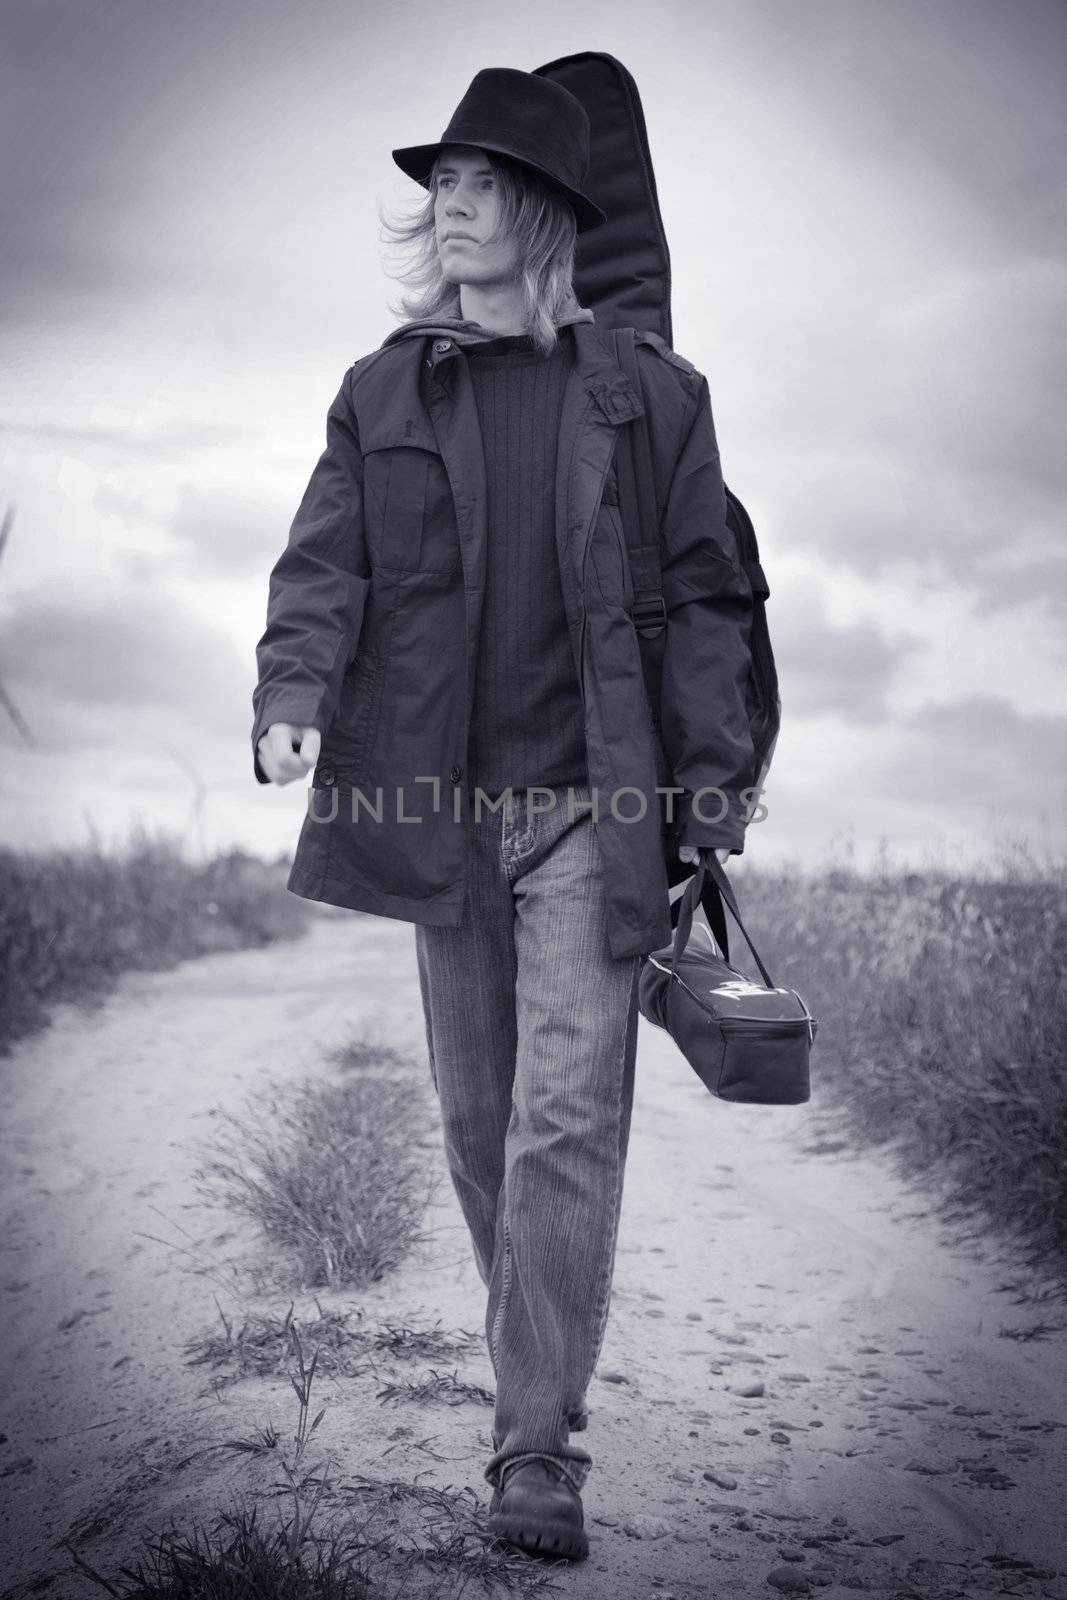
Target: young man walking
[[449, 647]]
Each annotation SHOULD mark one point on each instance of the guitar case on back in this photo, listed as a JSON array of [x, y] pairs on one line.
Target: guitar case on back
[[623, 273], [622, 268]]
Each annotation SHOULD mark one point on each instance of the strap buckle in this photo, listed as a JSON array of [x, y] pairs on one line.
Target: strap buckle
[[649, 616]]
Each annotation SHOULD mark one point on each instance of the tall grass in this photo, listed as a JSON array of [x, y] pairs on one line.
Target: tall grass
[[240, 1557], [335, 1170], [71, 921], [942, 1010]]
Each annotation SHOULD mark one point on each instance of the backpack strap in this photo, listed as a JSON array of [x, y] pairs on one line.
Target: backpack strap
[[641, 526], [640, 520]]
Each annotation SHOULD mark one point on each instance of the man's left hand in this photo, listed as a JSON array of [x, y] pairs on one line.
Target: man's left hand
[[691, 852]]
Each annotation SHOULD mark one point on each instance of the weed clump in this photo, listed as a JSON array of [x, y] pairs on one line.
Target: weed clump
[[260, 1345], [336, 1171], [360, 1539], [239, 1558]]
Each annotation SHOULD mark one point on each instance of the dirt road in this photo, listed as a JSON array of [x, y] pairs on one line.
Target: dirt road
[[901, 1446]]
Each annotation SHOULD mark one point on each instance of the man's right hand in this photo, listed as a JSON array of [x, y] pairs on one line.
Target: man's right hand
[[286, 752]]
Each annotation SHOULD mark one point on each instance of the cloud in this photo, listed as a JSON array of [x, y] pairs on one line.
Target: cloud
[[230, 532], [164, 164], [84, 667], [848, 668], [173, 440], [967, 93], [937, 446], [951, 785], [980, 751], [1031, 574], [223, 531]]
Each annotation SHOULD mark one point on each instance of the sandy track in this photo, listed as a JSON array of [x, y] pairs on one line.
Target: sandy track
[[902, 1446]]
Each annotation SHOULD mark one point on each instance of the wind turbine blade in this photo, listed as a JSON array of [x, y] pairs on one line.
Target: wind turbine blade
[[186, 766], [5, 527], [15, 714]]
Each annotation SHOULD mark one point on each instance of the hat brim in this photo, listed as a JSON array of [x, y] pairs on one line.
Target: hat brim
[[416, 160]]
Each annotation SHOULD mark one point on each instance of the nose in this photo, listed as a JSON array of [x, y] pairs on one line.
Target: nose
[[457, 204]]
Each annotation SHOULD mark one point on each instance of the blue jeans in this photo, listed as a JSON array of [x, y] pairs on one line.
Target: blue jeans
[[531, 1026]]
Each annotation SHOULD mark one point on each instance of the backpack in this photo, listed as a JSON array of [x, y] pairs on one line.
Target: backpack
[[623, 272]]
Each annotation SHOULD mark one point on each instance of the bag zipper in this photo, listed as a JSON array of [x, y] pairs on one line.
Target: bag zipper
[[767, 1025], [774, 1025]]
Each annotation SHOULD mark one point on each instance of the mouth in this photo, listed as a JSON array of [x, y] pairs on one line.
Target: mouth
[[458, 238]]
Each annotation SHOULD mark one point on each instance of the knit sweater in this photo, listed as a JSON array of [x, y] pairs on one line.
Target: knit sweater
[[528, 724]]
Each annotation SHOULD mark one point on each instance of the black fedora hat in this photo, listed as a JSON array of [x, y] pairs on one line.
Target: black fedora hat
[[527, 117]]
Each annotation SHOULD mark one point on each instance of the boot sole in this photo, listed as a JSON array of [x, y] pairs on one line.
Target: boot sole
[[541, 1538]]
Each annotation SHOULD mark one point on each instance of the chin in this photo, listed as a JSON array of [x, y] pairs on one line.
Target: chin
[[472, 275]]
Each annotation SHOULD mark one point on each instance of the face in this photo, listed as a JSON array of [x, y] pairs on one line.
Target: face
[[466, 210]]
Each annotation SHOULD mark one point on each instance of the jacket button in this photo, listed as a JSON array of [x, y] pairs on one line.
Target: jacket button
[[442, 345], [327, 776], [455, 774]]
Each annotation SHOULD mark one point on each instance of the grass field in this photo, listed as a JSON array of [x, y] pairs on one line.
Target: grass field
[[71, 921], [942, 1011], [941, 1000]]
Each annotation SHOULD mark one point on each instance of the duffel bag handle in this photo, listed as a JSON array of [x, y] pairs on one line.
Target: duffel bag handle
[[710, 899], [708, 863]]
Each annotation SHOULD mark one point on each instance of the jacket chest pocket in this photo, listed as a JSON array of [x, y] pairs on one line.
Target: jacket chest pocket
[[408, 507]]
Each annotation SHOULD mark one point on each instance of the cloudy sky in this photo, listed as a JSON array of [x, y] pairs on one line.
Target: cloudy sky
[[865, 205]]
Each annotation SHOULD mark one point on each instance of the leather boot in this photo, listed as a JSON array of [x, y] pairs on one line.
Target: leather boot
[[539, 1510]]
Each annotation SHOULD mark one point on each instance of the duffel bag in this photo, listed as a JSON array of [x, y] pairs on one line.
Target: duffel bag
[[746, 1041]]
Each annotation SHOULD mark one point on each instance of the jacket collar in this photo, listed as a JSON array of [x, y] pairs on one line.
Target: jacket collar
[[465, 331], [594, 362]]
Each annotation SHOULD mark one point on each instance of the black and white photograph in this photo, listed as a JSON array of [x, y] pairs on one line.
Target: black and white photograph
[[533, 761]]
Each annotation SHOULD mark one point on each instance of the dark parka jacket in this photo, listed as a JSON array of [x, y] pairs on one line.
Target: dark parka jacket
[[373, 618]]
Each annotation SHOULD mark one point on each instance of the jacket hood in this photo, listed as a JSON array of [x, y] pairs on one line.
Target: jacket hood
[[464, 331]]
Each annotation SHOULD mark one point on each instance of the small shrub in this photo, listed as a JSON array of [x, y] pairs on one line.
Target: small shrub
[[332, 1171]]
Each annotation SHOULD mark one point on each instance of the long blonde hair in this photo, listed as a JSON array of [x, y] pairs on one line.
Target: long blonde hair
[[545, 227]]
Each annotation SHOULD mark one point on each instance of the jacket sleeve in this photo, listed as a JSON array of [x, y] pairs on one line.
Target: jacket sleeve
[[703, 709], [318, 589]]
